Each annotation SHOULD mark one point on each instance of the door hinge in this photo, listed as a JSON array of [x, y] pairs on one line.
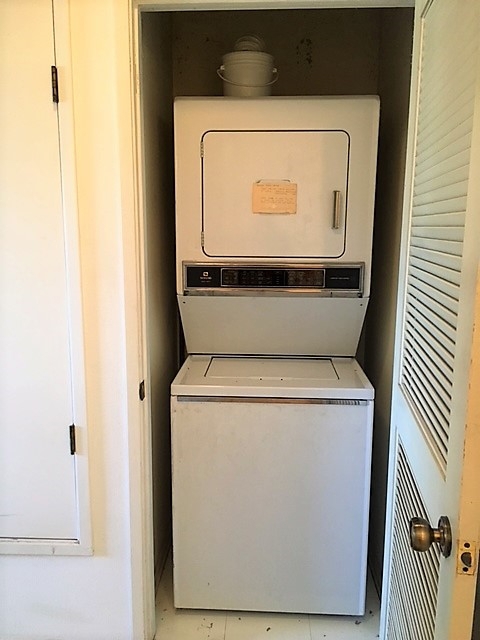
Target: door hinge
[[202, 149], [73, 442], [141, 390], [202, 239], [55, 97]]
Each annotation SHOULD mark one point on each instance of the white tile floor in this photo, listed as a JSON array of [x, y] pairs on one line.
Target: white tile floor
[[237, 625]]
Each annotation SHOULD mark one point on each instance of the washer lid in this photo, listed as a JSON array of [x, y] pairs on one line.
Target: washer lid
[[223, 370], [271, 377]]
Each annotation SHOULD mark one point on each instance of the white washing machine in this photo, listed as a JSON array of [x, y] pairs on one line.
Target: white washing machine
[[271, 414], [271, 484]]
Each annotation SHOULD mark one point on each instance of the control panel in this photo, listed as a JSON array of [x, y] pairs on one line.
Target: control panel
[[230, 278]]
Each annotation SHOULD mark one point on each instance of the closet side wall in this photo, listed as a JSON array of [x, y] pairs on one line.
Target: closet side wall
[[393, 87], [159, 207]]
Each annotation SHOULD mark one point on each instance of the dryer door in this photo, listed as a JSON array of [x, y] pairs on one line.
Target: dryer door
[[275, 194]]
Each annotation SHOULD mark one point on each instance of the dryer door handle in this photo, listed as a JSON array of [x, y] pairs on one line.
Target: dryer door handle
[[336, 210]]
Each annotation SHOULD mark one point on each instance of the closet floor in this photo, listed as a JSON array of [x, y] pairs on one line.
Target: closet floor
[[183, 624]]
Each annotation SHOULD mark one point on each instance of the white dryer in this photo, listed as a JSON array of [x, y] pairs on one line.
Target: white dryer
[[274, 182], [271, 414]]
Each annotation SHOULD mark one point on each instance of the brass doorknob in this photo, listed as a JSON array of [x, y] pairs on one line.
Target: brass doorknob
[[422, 535]]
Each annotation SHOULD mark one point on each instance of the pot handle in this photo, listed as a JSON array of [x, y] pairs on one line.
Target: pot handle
[[221, 69]]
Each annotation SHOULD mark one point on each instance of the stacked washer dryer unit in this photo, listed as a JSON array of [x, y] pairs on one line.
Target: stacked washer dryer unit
[[271, 414]]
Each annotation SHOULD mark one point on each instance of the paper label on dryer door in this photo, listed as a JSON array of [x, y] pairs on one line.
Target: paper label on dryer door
[[274, 197]]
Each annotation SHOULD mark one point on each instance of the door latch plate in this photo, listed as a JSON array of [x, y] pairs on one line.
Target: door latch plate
[[467, 557]]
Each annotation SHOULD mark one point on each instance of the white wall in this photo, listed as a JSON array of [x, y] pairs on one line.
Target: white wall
[[76, 598]]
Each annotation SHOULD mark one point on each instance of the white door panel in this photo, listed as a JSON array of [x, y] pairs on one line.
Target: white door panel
[[38, 494], [436, 351]]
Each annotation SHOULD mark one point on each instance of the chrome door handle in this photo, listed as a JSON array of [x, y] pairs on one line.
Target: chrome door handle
[[422, 535], [336, 210]]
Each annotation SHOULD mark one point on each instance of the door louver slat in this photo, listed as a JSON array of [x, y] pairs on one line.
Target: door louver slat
[[437, 257], [456, 159], [443, 331], [446, 247], [414, 576], [440, 305], [442, 158], [453, 116], [438, 113], [437, 432], [454, 234], [437, 353], [433, 267], [438, 219], [437, 285], [450, 190], [437, 309], [445, 63], [440, 394], [454, 141]]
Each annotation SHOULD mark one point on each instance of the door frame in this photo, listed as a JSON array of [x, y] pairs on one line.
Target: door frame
[[137, 361]]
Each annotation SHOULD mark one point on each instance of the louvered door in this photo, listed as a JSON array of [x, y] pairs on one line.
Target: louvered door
[[426, 596]]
